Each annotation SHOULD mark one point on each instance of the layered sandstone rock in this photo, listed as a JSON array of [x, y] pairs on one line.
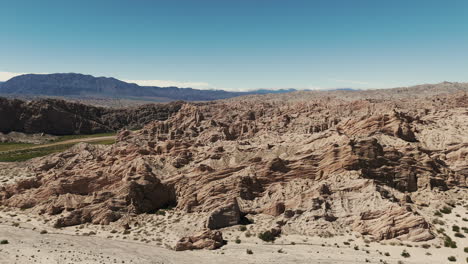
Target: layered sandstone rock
[[320, 165]]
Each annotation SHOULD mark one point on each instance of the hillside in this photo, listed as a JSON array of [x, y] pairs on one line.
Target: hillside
[[59, 117]]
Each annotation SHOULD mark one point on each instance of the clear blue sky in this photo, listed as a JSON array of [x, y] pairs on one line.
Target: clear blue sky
[[241, 44]]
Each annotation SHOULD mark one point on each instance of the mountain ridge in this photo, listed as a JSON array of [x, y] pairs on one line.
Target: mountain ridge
[[76, 84]]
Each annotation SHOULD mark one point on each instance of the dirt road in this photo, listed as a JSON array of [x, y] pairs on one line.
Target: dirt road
[[65, 142]]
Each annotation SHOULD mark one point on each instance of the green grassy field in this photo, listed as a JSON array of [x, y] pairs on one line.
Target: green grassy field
[[11, 152], [12, 146]]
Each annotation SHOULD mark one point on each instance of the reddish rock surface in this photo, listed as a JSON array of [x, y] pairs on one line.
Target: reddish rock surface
[[321, 162]]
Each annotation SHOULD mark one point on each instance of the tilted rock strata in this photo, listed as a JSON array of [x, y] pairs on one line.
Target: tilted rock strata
[[323, 165]]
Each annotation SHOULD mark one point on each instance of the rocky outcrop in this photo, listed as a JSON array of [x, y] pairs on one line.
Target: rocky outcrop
[[205, 240], [228, 215], [393, 222], [100, 195]]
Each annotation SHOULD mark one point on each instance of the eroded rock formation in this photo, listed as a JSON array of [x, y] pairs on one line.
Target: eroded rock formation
[[321, 164]]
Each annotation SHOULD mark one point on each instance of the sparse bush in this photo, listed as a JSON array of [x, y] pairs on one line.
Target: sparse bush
[[249, 251], [452, 258], [460, 235], [267, 236], [387, 254], [448, 242], [356, 247], [238, 241], [446, 210], [161, 212], [455, 228], [426, 246], [466, 249], [438, 214], [43, 232], [242, 228], [405, 254], [3, 242]]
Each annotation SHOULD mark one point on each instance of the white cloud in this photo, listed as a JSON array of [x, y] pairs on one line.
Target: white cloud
[[5, 76], [165, 83]]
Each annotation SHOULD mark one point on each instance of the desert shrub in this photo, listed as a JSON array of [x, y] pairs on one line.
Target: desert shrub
[[446, 210], [405, 254], [455, 228], [43, 232], [387, 254], [267, 236], [452, 258], [438, 214], [3, 242], [242, 228], [238, 241], [249, 251], [448, 242], [466, 249], [460, 235], [426, 246]]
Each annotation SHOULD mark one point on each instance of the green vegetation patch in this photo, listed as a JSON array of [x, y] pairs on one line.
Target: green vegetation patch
[[26, 154], [7, 146]]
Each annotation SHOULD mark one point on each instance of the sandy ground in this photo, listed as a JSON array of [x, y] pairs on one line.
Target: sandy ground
[[32, 240]]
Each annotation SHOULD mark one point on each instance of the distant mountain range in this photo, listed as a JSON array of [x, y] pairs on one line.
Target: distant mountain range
[[80, 85]]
